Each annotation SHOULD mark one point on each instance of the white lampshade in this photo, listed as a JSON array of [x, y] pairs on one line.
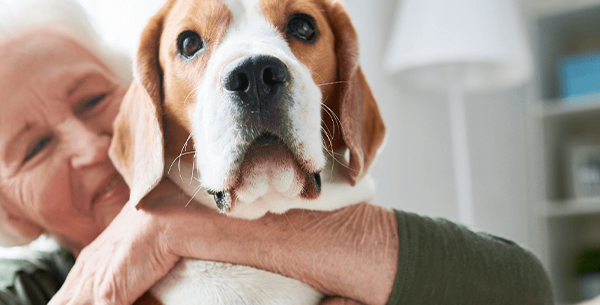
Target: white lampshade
[[484, 40]]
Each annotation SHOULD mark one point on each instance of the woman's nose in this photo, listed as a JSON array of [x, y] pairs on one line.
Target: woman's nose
[[88, 147]]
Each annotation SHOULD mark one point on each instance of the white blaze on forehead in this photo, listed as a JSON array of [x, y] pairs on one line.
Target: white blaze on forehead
[[244, 11], [250, 26], [216, 122]]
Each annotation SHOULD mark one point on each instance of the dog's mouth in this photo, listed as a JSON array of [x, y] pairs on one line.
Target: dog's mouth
[[268, 162]]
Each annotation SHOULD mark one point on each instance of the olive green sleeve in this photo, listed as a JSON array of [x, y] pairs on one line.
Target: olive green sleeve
[[34, 280], [443, 263]]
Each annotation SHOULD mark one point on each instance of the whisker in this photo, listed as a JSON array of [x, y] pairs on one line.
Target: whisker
[[178, 157], [334, 117], [333, 83], [329, 138], [331, 135], [186, 98], [329, 151], [196, 193], [193, 166], [317, 74], [180, 154]]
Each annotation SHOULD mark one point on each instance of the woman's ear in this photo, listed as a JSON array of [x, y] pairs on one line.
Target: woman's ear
[[15, 230]]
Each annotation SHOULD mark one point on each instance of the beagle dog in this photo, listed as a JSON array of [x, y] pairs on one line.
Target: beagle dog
[[251, 106]]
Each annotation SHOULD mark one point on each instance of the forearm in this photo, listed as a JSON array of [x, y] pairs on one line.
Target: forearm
[[351, 252]]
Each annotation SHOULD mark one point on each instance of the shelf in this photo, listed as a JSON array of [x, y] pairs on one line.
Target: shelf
[[563, 28], [571, 106], [573, 207], [553, 8]]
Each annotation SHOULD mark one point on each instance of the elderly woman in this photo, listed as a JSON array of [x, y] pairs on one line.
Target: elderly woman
[[60, 94]]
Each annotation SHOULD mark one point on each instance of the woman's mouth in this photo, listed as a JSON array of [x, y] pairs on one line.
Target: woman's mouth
[[116, 182]]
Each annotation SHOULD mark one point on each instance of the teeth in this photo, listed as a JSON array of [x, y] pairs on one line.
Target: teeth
[[110, 186], [105, 190]]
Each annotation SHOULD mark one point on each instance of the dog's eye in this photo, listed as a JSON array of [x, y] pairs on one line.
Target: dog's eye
[[189, 43], [302, 27]]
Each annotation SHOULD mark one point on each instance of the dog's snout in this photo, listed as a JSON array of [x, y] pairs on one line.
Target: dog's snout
[[256, 79]]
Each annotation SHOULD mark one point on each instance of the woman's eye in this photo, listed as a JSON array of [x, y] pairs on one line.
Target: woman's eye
[[302, 27], [37, 148], [94, 101]]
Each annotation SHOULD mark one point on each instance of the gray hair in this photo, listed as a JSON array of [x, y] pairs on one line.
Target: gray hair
[[67, 15]]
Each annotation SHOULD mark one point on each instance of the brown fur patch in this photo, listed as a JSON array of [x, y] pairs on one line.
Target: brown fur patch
[[210, 19], [320, 57], [333, 60]]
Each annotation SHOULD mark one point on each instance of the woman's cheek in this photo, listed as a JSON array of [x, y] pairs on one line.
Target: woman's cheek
[[55, 193], [107, 117]]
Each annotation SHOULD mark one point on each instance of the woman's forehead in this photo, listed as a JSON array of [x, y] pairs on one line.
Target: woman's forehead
[[44, 61], [39, 49], [39, 69]]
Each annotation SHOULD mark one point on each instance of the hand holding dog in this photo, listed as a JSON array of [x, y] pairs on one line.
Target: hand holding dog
[[125, 260], [351, 252]]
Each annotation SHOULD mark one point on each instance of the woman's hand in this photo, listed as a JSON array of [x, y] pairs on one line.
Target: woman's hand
[[351, 252], [126, 259]]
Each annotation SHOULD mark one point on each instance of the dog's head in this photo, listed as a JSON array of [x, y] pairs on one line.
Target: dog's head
[[264, 89]]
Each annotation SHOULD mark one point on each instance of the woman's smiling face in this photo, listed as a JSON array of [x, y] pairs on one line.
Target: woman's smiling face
[[58, 101]]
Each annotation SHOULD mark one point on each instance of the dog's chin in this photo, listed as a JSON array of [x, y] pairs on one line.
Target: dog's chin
[[269, 175]]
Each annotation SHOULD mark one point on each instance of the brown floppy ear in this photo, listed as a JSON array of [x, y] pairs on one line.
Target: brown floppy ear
[[137, 147], [363, 130]]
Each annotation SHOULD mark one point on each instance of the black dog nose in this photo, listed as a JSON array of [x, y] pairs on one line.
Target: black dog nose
[[256, 79]]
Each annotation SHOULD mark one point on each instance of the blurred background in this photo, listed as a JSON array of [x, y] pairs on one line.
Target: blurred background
[[492, 110]]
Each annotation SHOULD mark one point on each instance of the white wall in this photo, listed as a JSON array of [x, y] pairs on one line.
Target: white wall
[[415, 171], [121, 22]]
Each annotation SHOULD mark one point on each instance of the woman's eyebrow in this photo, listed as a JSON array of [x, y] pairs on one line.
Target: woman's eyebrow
[[77, 83], [91, 75], [9, 145]]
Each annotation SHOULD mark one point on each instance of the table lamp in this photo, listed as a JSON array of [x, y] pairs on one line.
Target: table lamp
[[458, 47]]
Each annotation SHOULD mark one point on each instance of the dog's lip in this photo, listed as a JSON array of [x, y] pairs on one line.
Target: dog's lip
[[106, 186], [266, 138]]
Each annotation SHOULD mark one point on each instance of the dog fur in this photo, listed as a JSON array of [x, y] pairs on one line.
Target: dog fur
[[326, 125]]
